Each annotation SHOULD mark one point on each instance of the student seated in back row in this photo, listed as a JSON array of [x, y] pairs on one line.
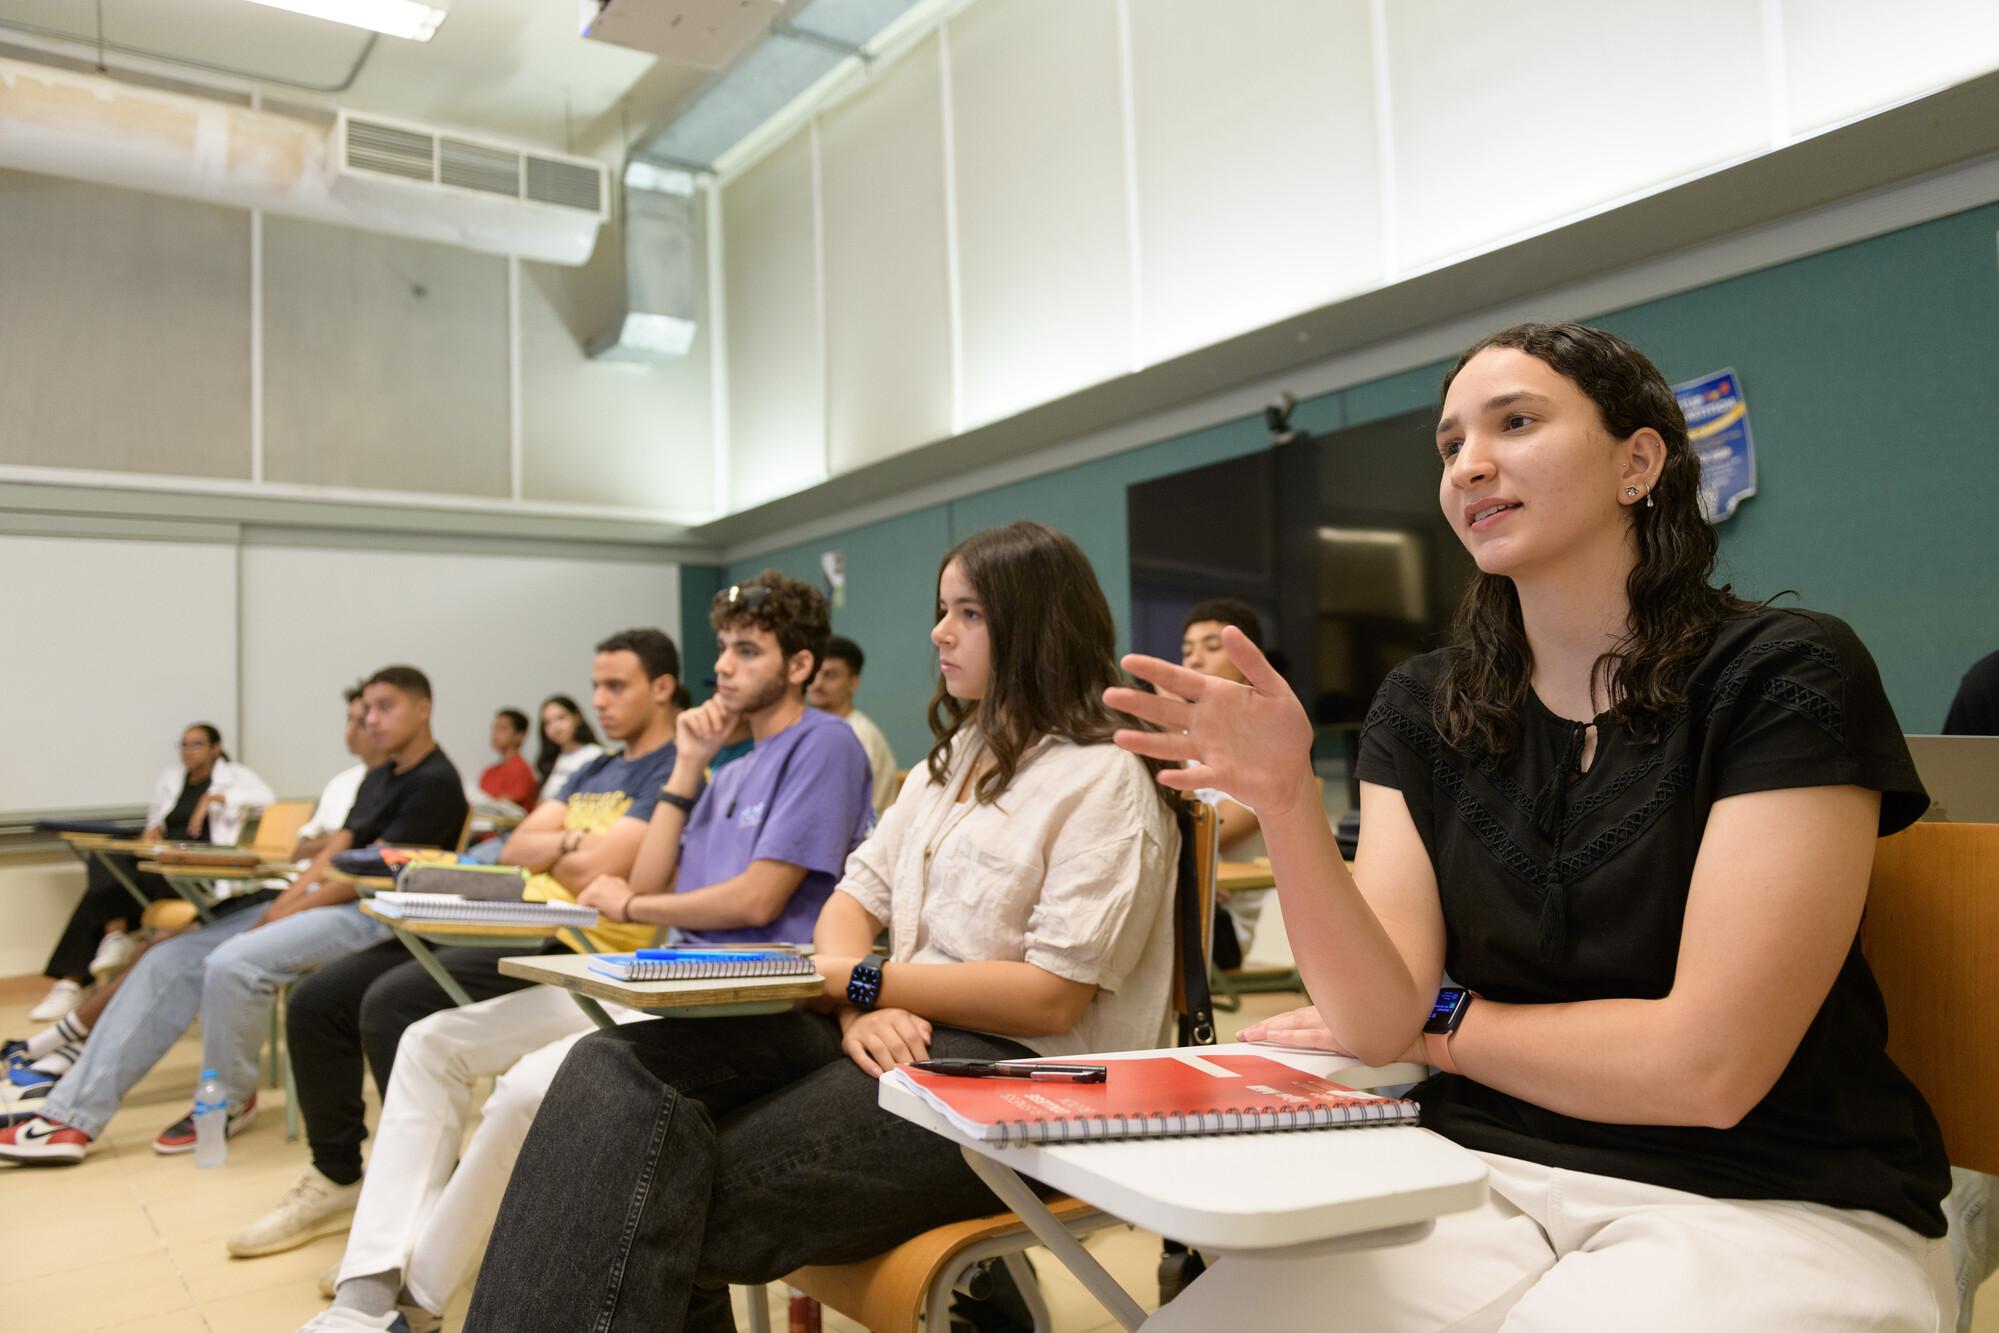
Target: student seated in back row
[[832, 691], [1237, 836], [754, 859], [1024, 876], [230, 968], [203, 798], [360, 1005], [567, 744], [34, 1065], [510, 779], [1634, 817]]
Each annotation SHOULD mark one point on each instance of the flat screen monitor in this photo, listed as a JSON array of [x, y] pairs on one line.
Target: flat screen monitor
[[1339, 544]]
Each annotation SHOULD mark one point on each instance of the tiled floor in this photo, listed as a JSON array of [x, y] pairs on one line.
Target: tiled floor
[[133, 1241]]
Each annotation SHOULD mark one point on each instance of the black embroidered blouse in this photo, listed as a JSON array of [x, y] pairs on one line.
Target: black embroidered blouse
[[1575, 890]]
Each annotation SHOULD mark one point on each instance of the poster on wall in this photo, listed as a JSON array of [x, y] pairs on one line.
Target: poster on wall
[[833, 577], [1718, 428]]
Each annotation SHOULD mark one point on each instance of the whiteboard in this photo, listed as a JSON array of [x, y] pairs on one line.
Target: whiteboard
[[491, 632], [111, 648]]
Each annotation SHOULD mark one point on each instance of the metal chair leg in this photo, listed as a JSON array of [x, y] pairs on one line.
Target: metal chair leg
[[759, 1303]]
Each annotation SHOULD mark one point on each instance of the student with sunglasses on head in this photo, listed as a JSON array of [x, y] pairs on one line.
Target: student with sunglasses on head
[[1024, 875]]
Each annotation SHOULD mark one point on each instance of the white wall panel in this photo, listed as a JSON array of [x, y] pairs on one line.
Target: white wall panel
[[1845, 57], [1043, 244], [777, 423], [1258, 181], [888, 310], [601, 432], [490, 631], [113, 648], [1508, 118]]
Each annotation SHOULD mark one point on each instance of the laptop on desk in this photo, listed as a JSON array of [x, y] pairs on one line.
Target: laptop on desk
[[1961, 774]]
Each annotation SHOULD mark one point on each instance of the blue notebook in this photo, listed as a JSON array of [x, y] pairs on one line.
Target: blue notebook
[[700, 964]]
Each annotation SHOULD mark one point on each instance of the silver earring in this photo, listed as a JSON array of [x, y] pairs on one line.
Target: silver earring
[[1631, 492], [1648, 502]]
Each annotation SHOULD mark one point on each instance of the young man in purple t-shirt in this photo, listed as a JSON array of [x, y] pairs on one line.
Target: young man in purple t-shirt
[[755, 855]]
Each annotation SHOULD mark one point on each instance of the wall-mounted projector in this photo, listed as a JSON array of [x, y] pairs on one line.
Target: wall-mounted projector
[[707, 33]]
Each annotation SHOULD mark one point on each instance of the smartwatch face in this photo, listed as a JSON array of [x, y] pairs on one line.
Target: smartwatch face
[[1444, 1014]]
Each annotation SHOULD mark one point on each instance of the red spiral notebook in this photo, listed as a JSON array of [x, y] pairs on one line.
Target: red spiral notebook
[[1154, 1096]]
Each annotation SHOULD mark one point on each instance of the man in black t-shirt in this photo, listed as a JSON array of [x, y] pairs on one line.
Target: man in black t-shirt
[[230, 969]]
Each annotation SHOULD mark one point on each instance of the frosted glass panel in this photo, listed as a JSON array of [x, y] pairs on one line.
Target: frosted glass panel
[[888, 314], [1044, 259], [1845, 57], [777, 427], [124, 330], [1258, 185], [385, 362], [598, 432], [1507, 118]]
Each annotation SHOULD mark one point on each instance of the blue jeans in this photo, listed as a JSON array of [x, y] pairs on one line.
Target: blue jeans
[[229, 971], [673, 1157]]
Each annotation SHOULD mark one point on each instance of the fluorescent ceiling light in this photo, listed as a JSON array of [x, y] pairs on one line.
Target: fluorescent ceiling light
[[398, 18]]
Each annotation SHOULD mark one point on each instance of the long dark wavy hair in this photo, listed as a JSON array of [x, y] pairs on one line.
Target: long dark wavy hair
[[544, 760], [1674, 607], [1053, 651]]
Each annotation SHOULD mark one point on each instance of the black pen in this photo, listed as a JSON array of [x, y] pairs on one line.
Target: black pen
[[1040, 1072]]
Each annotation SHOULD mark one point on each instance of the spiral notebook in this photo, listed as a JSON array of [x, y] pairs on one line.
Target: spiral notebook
[[700, 964], [1157, 1096], [480, 911]]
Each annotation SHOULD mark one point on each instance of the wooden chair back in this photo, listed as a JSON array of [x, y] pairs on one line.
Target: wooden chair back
[[277, 828], [1202, 830], [1931, 936]]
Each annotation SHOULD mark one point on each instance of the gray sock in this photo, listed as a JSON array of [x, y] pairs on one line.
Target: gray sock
[[374, 1294]]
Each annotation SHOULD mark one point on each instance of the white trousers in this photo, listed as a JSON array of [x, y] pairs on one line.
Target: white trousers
[[1563, 1252], [416, 1214]]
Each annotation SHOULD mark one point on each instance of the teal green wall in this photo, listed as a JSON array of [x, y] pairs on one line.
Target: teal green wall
[[698, 586], [1872, 376]]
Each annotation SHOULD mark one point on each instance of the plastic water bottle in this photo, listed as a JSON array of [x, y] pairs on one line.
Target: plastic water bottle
[[211, 1121]]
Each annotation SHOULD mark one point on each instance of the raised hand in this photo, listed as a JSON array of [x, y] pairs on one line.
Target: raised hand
[[1251, 741]]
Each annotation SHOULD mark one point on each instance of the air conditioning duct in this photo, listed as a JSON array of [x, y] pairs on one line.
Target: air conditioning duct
[[660, 314], [367, 172]]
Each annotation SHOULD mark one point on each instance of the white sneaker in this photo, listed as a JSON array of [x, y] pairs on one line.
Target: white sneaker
[[64, 996], [113, 953], [312, 1208]]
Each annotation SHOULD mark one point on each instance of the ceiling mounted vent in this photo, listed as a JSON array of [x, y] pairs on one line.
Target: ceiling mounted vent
[[471, 166], [412, 153]]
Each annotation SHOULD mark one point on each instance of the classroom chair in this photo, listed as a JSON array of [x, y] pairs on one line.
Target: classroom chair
[[910, 1287]]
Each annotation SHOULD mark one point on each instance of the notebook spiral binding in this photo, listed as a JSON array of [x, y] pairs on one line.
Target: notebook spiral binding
[[1180, 1124]]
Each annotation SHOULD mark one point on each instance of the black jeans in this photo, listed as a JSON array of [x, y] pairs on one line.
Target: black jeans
[[673, 1157], [359, 1006], [104, 901]]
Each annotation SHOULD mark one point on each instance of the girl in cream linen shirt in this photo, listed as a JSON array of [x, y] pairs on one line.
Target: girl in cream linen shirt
[[1071, 870]]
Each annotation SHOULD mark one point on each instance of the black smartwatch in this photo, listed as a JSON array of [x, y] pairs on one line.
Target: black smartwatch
[[864, 986], [1448, 1011]]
